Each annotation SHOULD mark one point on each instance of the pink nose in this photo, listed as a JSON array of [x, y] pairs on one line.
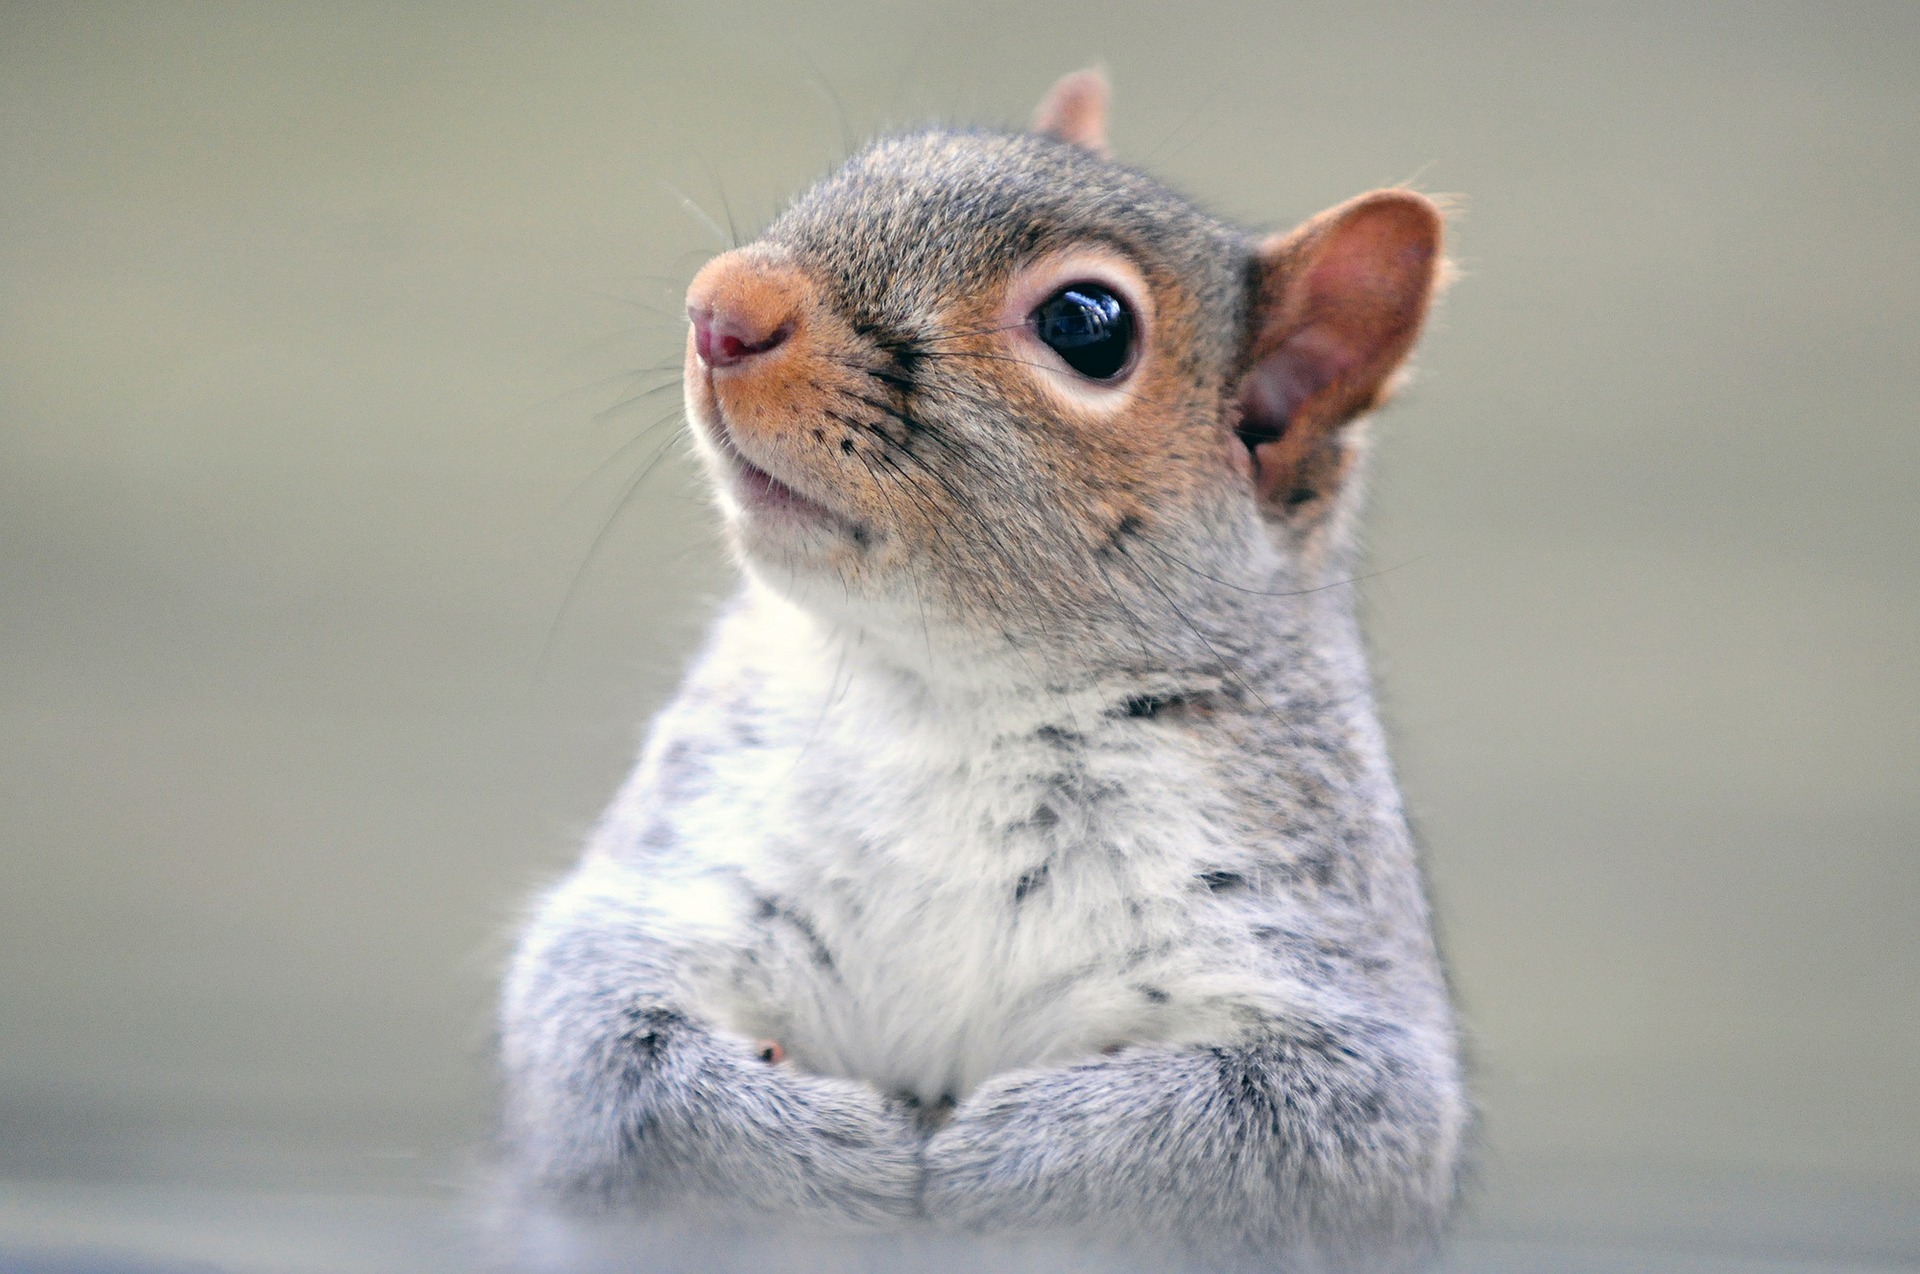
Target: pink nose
[[723, 338]]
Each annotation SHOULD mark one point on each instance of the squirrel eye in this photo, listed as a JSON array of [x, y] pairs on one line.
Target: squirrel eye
[[1089, 327]]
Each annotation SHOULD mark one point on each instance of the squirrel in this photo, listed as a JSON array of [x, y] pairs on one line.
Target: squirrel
[[1022, 855]]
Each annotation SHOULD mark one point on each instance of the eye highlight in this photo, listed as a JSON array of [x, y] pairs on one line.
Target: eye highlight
[[1089, 326]]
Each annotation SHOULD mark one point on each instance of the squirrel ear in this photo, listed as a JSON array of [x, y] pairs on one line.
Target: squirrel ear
[[1075, 110], [1339, 305]]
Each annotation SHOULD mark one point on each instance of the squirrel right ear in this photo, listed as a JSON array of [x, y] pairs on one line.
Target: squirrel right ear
[[1340, 303], [1075, 110]]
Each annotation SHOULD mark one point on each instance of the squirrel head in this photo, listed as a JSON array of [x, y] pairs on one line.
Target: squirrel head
[[999, 380]]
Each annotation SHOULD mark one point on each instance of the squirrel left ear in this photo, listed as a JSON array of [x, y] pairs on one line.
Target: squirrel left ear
[[1075, 110], [1339, 306]]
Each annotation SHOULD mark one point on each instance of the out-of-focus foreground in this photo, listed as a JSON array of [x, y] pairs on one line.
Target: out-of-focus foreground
[[343, 550]]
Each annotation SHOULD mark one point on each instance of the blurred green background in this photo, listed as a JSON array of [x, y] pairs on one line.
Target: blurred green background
[[332, 337]]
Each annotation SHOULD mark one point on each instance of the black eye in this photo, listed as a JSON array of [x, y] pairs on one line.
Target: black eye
[[1088, 326]]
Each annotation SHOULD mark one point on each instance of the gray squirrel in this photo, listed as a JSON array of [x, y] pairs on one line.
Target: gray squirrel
[[1022, 856]]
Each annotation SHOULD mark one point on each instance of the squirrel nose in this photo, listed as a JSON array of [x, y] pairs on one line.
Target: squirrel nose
[[723, 338], [742, 306]]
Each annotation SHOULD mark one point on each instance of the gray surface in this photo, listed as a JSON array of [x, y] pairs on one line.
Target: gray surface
[[1705, 1228], [316, 326]]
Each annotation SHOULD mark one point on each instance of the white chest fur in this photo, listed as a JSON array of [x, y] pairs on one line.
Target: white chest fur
[[923, 902]]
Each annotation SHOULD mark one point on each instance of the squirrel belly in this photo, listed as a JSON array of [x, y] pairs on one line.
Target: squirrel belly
[[922, 895]]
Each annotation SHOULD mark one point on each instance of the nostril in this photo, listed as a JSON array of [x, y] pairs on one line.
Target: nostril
[[722, 339]]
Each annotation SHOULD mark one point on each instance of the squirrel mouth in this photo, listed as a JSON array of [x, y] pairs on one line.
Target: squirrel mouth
[[759, 491], [763, 488]]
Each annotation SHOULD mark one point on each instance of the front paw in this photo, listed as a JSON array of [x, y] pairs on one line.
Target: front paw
[[992, 1166], [1103, 1147], [723, 1126], [821, 1149]]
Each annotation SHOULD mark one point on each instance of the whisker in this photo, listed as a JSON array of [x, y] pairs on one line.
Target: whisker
[[726, 208], [599, 542], [964, 333], [686, 201], [819, 83], [1174, 606], [599, 382], [625, 447], [965, 503], [1133, 619], [1294, 592], [985, 357], [607, 413], [926, 623]]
